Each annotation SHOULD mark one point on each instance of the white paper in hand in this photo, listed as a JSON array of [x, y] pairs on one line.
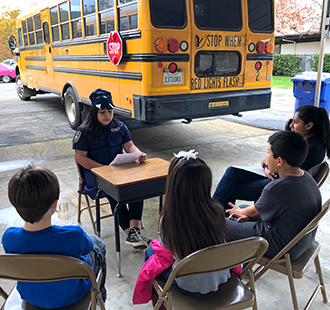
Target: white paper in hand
[[125, 158]]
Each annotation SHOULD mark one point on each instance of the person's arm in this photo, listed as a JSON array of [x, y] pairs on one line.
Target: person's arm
[[86, 243], [83, 160], [130, 147], [242, 214]]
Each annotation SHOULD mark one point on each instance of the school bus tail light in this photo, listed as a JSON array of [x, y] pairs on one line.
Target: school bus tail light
[[173, 45], [258, 65], [252, 47], [183, 46], [172, 67], [269, 47], [261, 46], [161, 45]]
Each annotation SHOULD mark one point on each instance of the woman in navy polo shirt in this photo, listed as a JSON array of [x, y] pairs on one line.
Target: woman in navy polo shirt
[[96, 143]]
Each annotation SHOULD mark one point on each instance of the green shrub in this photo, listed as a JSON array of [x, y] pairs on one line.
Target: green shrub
[[286, 65], [314, 62]]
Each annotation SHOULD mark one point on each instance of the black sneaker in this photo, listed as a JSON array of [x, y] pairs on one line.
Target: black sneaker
[[135, 239], [139, 248], [145, 238]]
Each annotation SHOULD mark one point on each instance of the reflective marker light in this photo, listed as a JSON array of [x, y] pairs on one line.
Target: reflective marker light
[[258, 65], [173, 67], [160, 65], [269, 47], [173, 45], [252, 47], [183, 46], [261, 47], [161, 45]]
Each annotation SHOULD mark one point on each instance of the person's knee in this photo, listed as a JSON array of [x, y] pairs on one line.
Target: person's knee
[[149, 252], [230, 171], [98, 243]]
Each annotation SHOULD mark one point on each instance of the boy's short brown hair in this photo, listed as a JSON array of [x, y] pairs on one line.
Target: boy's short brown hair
[[289, 145], [32, 191]]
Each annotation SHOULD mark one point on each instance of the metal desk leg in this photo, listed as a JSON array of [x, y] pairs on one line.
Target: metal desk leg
[[117, 238], [97, 210], [160, 203]]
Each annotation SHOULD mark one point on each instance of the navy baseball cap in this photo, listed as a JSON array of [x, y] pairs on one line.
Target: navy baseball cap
[[101, 99]]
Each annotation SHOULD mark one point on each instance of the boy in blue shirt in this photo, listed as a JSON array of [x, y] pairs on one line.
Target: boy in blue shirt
[[34, 192]]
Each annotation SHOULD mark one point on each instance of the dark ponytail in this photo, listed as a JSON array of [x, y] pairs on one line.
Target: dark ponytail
[[321, 125]]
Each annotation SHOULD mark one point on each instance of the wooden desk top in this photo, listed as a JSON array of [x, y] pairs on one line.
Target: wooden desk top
[[126, 174]]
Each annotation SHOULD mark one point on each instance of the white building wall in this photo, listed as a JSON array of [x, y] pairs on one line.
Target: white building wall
[[309, 48]]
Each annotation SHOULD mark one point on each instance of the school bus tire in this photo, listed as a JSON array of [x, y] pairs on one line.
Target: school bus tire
[[73, 108], [20, 89]]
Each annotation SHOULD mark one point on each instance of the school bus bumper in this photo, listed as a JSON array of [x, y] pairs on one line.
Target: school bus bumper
[[155, 108]]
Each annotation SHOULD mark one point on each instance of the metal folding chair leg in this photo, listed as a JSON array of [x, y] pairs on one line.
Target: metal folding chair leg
[[319, 272]]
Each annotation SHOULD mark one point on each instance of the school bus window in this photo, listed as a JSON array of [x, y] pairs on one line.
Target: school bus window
[[261, 15], [54, 23], [120, 2], [105, 4], [107, 21], [31, 31], [19, 35], [45, 27], [133, 21], [64, 19], [37, 25], [90, 26], [128, 17], [89, 17], [75, 7], [217, 64], [219, 15], [25, 36], [89, 7], [168, 13]]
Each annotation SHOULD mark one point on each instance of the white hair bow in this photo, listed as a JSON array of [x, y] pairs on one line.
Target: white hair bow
[[186, 155]]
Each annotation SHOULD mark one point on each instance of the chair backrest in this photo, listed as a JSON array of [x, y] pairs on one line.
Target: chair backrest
[[46, 268], [43, 268], [82, 181], [306, 230], [220, 257], [80, 172], [322, 174]]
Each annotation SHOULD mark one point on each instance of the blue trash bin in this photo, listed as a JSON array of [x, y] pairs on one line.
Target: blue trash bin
[[304, 89]]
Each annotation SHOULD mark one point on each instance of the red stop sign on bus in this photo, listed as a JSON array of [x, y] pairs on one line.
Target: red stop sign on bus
[[115, 47]]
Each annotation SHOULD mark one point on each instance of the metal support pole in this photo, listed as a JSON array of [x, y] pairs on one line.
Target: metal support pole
[[322, 48]]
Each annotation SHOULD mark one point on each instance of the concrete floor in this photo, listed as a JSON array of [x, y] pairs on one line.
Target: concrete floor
[[220, 143]]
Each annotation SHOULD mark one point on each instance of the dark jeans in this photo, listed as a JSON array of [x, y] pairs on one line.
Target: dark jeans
[[239, 184], [97, 260], [133, 212], [166, 274]]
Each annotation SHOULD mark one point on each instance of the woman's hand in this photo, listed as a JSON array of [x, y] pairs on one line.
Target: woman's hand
[[142, 157]]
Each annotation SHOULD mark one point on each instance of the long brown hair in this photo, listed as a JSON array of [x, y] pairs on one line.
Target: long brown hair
[[190, 219], [92, 122], [321, 125]]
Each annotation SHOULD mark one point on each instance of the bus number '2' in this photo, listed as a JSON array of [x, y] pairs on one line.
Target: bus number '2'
[[258, 74]]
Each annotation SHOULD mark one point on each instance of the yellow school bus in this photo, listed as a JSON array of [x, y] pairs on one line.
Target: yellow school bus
[[181, 59]]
